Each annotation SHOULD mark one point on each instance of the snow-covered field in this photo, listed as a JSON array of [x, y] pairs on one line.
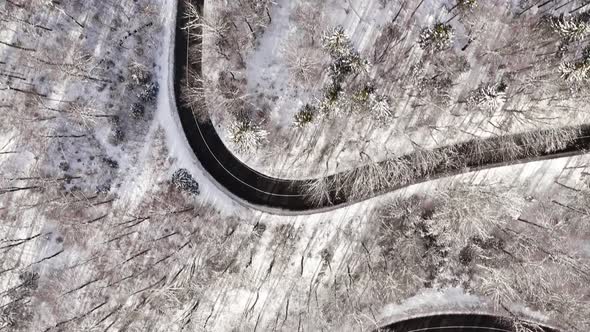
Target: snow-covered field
[[140, 255], [427, 93]]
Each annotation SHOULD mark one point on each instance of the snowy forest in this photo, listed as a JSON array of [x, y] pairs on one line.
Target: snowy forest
[[110, 222]]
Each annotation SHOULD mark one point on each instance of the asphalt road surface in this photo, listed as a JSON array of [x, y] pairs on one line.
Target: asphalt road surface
[[459, 323]]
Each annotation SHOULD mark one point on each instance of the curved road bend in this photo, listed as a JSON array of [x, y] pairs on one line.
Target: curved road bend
[[457, 323], [264, 191]]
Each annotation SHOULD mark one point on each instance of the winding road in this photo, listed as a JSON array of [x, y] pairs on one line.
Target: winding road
[[260, 190]]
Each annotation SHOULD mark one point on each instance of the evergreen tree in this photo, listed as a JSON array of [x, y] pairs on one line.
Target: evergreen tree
[[305, 116], [366, 100], [149, 92], [245, 135], [361, 97], [359, 64], [489, 97], [137, 110], [346, 59], [466, 4], [336, 42], [570, 29], [576, 71], [436, 38], [331, 105]]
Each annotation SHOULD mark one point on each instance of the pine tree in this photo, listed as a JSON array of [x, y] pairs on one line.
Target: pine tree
[[489, 97], [246, 136], [336, 42], [466, 4], [149, 92], [570, 29], [362, 96], [305, 116], [346, 60], [576, 71], [339, 69], [436, 38], [331, 107], [359, 64], [366, 100]]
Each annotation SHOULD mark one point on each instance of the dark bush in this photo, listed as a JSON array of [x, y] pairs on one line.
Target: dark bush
[[29, 280], [110, 162], [488, 244], [184, 181], [258, 229], [118, 135], [466, 255], [137, 110], [103, 188], [64, 166]]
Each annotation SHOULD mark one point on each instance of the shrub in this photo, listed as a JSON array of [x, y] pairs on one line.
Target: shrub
[[110, 162], [103, 188], [184, 181], [118, 135], [362, 96]]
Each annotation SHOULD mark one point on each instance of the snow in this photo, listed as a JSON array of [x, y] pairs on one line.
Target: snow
[[266, 72], [431, 301], [585, 246]]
